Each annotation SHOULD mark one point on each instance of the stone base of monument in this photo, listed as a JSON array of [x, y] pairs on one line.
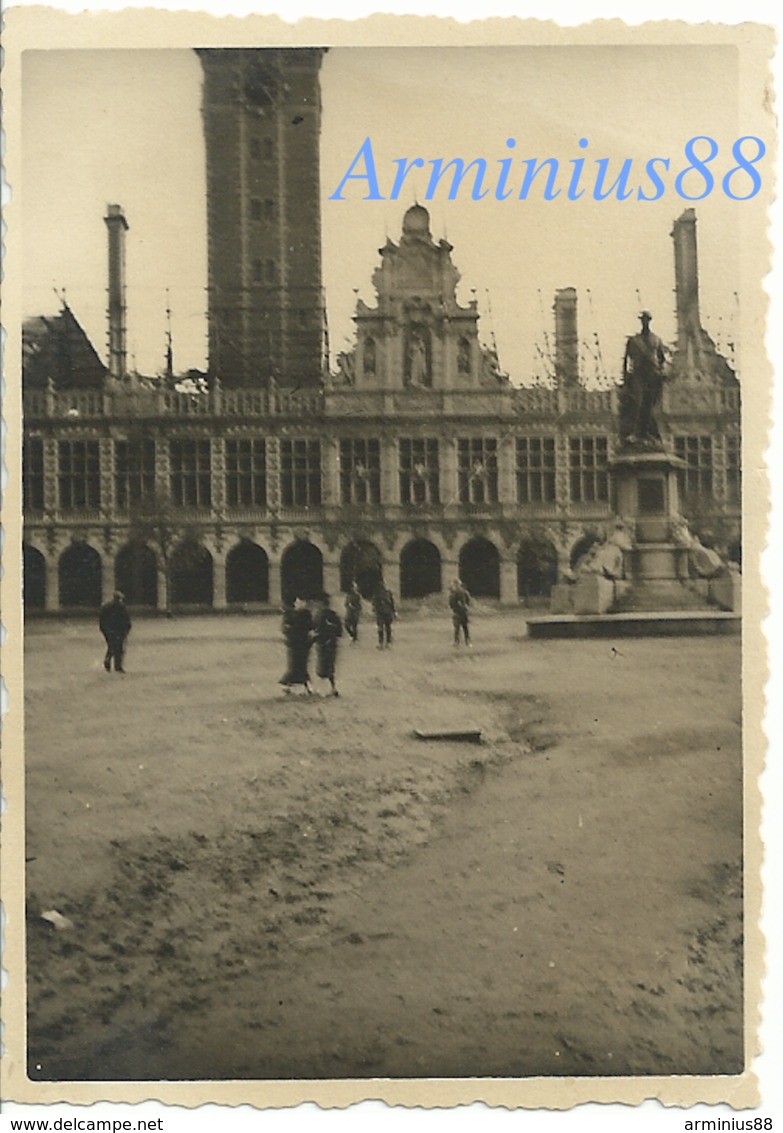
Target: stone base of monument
[[592, 594], [726, 591], [657, 623], [657, 594]]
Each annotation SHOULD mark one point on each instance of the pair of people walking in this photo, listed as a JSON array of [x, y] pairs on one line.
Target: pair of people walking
[[384, 610], [304, 627]]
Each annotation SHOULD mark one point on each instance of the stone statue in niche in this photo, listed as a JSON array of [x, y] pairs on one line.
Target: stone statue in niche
[[417, 369], [345, 369], [463, 356], [369, 356]]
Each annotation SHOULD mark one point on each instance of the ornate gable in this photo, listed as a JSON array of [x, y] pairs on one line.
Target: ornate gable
[[418, 336]]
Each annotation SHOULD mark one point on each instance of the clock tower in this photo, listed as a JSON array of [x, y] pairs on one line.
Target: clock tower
[[262, 120]]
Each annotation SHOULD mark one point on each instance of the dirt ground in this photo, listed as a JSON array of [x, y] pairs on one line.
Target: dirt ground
[[264, 886]]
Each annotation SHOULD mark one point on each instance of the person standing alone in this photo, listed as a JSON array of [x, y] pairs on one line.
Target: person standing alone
[[115, 625], [459, 603], [385, 613], [353, 610]]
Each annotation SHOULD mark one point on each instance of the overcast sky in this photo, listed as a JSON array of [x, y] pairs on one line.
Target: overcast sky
[[125, 127]]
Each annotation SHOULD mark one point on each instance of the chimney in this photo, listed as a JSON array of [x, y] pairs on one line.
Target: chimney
[[117, 226], [686, 275], [566, 337]]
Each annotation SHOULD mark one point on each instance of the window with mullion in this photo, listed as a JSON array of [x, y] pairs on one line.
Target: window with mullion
[[300, 467], [134, 471], [535, 470], [191, 476], [246, 472], [696, 478], [477, 470], [733, 469], [360, 471], [33, 474], [419, 470], [587, 459], [78, 477]]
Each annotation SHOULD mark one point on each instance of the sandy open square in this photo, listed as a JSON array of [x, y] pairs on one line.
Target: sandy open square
[[264, 886]]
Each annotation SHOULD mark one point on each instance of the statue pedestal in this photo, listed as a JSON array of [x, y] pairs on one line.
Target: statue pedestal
[[645, 492], [645, 489], [657, 569], [592, 594]]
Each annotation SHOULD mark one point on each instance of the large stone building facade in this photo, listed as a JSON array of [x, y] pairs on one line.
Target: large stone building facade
[[419, 460]]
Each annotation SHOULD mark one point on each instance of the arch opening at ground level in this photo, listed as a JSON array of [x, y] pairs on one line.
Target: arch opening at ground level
[[536, 570], [34, 578], [361, 562], [80, 576], [136, 575], [192, 575], [301, 572], [420, 569], [247, 574], [479, 568]]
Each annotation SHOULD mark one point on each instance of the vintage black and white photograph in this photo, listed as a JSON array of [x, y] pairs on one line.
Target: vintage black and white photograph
[[383, 427]]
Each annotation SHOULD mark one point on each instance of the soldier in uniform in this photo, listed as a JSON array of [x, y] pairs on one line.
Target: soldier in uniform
[[459, 602], [353, 611], [385, 613]]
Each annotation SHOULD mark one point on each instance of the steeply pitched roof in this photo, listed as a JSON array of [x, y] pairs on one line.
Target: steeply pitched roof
[[57, 348]]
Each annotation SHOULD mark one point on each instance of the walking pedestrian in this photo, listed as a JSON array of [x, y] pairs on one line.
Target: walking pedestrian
[[385, 612], [459, 603], [115, 625], [298, 635], [327, 631], [353, 612]]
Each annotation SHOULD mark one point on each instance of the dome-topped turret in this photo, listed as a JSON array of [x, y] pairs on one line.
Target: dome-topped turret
[[416, 222]]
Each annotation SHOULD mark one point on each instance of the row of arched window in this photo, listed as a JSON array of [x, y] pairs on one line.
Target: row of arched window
[[80, 572]]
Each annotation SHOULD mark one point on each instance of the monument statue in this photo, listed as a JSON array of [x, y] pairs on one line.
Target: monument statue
[[606, 556], [641, 389]]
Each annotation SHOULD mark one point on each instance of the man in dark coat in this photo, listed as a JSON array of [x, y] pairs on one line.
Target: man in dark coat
[[353, 610], [327, 631], [643, 376], [115, 624], [459, 602], [385, 613], [298, 635]]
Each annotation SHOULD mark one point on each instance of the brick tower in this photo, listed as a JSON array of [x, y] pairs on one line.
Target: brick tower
[[262, 121]]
